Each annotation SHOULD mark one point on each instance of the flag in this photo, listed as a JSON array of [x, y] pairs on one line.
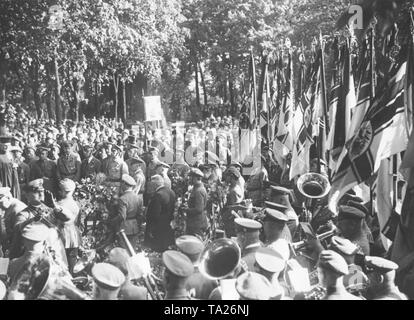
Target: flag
[[404, 239], [303, 125], [283, 143], [346, 103], [264, 101], [381, 134], [253, 98]]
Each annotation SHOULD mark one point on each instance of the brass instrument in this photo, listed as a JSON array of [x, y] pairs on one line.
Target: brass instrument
[[220, 259], [148, 280], [313, 186], [301, 244], [42, 279]]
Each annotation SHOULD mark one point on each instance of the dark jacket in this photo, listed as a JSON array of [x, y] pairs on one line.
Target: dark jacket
[[127, 210], [90, 168], [199, 286], [158, 233], [196, 214]]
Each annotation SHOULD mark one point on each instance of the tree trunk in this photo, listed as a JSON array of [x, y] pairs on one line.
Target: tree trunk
[[116, 83], [58, 100], [124, 101], [97, 108], [203, 84], [76, 100], [231, 91], [197, 86], [49, 105]]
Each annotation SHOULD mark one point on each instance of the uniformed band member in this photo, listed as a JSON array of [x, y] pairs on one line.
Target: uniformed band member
[[108, 281], [248, 233], [178, 268], [275, 224], [197, 285], [282, 196], [253, 286], [356, 280], [332, 268], [271, 264], [383, 287], [196, 222], [350, 224], [119, 257]]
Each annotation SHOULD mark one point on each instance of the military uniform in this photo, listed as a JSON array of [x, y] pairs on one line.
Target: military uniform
[[256, 185], [234, 196], [45, 170], [90, 167], [69, 166], [253, 286], [248, 253], [180, 266], [108, 280], [196, 214]]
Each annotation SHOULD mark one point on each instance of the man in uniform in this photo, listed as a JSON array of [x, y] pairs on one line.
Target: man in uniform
[[8, 170], [151, 171], [332, 268], [161, 168], [253, 286], [69, 164], [350, 224], [45, 169], [383, 288], [136, 167], [33, 237], [248, 233], [235, 196], [108, 281], [196, 212], [178, 268], [356, 280], [23, 169], [119, 258], [198, 285], [9, 208], [275, 223], [115, 167], [256, 184], [128, 212], [158, 232], [271, 264], [90, 166]]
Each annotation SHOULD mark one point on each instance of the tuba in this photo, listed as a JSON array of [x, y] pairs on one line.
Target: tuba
[[42, 279], [220, 259], [313, 186]]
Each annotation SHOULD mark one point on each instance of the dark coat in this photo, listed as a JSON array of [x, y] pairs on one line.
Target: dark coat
[[127, 211], [158, 233], [90, 168], [199, 286]]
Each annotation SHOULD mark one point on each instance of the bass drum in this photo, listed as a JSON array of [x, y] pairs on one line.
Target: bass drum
[[42, 279]]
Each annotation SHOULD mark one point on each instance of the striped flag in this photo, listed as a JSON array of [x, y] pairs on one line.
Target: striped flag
[[303, 125], [265, 101], [253, 98], [381, 134], [283, 143]]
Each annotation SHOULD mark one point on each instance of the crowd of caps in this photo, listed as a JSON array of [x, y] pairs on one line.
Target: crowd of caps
[[260, 217]]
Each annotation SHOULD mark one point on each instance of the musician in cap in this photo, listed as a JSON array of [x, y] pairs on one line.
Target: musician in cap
[[33, 240], [356, 280], [383, 286], [351, 225], [178, 268], [119, 258], [275, 223], [45, 169], [283, 196], [248, 238], [160, 212], [128, 213], [196, 223], [9, 208], [254, 286], [90, 165], [331, 269], [271, 264], [235, 196], [199, 286], [108, 281]]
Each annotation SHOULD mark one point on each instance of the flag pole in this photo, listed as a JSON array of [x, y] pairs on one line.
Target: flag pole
[[256, 114]]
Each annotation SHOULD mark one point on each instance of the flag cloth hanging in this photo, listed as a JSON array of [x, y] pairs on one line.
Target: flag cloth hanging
[[265, 102], [303, 125], [253, 97], [382, 134], [283, 143]]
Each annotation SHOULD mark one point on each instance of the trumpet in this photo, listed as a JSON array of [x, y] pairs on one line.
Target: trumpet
[[301, 244], [148, 280]]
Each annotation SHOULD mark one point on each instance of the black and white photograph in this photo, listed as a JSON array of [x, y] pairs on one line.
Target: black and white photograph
[[216, 150]]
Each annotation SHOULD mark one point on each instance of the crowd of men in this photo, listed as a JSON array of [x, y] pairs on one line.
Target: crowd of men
[[41, 164]]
